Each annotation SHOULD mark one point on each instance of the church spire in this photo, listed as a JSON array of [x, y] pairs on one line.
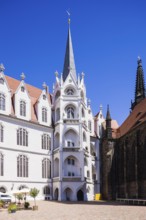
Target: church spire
[[69, 63], [140, 85], [108, 124]]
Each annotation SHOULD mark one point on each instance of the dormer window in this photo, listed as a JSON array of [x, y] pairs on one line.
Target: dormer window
[[69, 92], [22, 108], [22, 89], [44, 97], [1, 81]]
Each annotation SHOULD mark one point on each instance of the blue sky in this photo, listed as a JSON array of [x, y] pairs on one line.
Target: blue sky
[[107, 35]]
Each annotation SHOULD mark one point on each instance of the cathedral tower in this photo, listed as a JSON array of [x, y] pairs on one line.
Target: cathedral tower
[[140, 85]]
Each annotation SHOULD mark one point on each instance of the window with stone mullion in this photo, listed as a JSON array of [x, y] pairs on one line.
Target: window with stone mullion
[[22, 108], [1, 133], [45, 168], [2, 102], [1, 164]]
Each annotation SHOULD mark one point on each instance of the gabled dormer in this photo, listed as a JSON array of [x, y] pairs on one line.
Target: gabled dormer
[[22, 101], [70, 86], [43, 107], [5, 93]]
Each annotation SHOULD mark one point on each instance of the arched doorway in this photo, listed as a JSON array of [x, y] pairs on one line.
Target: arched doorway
[[80, 195], [56, 193], [68, 194]]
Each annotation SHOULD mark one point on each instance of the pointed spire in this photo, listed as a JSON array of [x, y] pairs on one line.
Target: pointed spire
[[140, 85], [108, 116], [69, 63], [108, 124]]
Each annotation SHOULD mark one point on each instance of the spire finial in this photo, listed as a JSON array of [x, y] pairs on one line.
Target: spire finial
[[100, 107], [22, 76], [44, 86], [67, 11], [2, 68]]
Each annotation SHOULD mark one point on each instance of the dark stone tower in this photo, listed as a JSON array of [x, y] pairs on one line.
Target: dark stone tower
[[108, 124], [107, 165], [140, 85]]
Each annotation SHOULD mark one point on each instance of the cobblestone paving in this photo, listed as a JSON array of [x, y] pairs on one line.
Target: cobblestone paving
[[49, 210]]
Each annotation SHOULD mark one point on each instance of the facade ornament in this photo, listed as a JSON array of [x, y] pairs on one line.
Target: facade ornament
[[56, 73], [22, 76], [82, 74], [44, 86], [2, 68]]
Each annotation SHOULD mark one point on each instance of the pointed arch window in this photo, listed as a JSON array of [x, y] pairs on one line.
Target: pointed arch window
[[2, 102], [22, 137], [1, 81], [22, 108], [44, 114], [22, 89], [46, 190], [46, 142], [70, 112], [22, 166], [44, 97], [1, 133], [46, 168], [70, 91], [1, 164]]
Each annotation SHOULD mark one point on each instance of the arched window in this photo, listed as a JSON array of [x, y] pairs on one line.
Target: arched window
[[22, 108], [70, 91], [1, 81], [84, 137], [57, 114], [1, 164], [89, 125], [2, 102], [44, 97], [1, 133], [46, 190], [71, 161], [46, 168], [70, 112], [22, 166], [3, 189], [83, 113], [22, 137], [44, 114], [46, 142], [22, 187], [22, 89], [88, 173]]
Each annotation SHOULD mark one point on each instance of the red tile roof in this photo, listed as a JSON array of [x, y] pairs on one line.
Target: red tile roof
[[136, 117]]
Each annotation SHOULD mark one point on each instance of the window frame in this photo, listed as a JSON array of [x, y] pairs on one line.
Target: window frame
[[22, 166], [23, 108], [22, 137], [1, 164], [2, 102]]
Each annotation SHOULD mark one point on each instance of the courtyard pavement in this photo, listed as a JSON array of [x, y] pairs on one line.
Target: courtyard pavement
[[49, 210]]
